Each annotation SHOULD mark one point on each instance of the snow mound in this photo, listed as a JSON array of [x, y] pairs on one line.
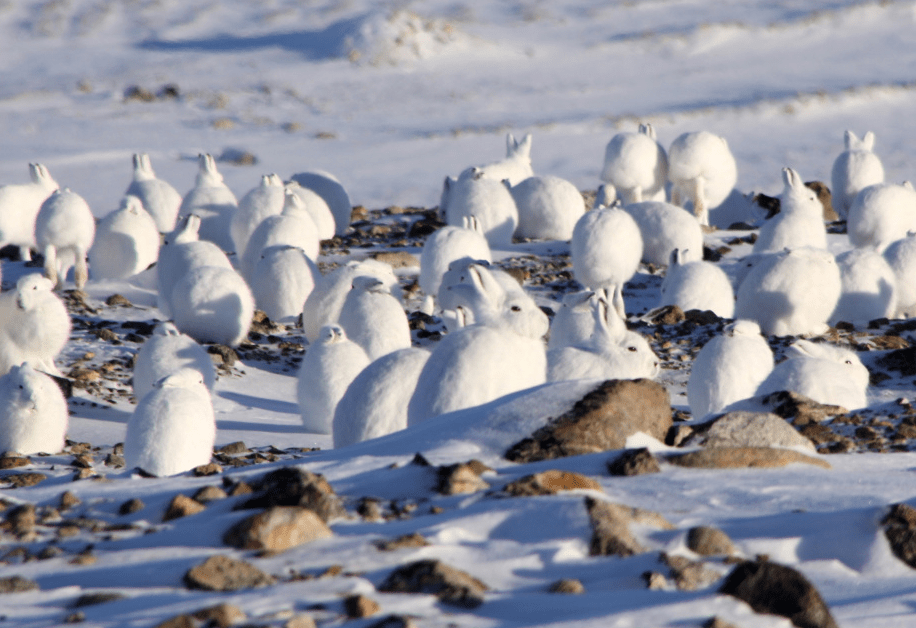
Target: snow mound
[[394, 37]]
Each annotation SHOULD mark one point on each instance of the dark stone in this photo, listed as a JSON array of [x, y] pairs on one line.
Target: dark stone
[[290, 486], [550, 483], [634, 462], [359, 606], [709, 541], [610, 523], [222, 573], [17, 584], [902, 361], [91, 599], [450, 585], [900, 530]]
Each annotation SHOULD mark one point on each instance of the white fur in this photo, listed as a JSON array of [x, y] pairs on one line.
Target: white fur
[[334, 194], [374, 319], [606, 248], [516, 167], [869, 287], [267, 199], [325, 301], [317, 208], [126, 242], [34, 325], [697, 285], [728, 368], [293, 226], [168, 351], [800, 221], [702, 170], [64, 232], [881, 214], [826, 373], [375, 403], [573, 322], [636, 165], [173, 427], [213, 201], [477, 292], [283, 279], [446, 245], [854, 169], [331, 362], [19, 205], [665, 227], [901, 255], [159, 198], [213, 304], [791, 293], [488, 200], [548, 208], [33, 412]]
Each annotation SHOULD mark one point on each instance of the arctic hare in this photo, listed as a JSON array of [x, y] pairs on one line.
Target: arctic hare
[[854, 169], [282, 280], [869, 287], [166, 352], [516, 167], [213, 201], [34, 325], [446, 245], [573, 322], [728, 368], [33, 412], [317, 208], [173, 427], [881, 214], [636, 165], [490, 201], [334, 194], [825, 373], [697, 285], [800, 221], [126, 242], [267, 199], [19, 205], [213, 304], [159, 198], [64, 231], [901, 255], [374, 319], [665, 227], [548, 208], [702, 170], [293, 226]]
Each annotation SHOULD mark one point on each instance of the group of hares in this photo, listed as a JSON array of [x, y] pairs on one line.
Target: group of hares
[[360, 377]]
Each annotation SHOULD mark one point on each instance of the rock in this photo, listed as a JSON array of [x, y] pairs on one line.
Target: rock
[[222, 573], [709, 541], [358, 606], [458, 479], [207, 494], [221, 354], [179, 621], [22, 520], [667, 315], [17, 584], [211, 468], [22, 480], [601, 420], [290, 486], [369, 509], [742, 457], [398, 259], [221, 616], [300, 621], [611, 534], [717, 622], [634, 462], [450, 585], [277, 528], [900, 530], [394, 621], [118, 300], [91, 599], [182, 506], [778, 590], [791, 405], [114, 460], [414, 539], [14, 461], [748, 429], [237, 447], [569, 586], [69, 500], [550, 483], [690, 575], [131, 506], [902, 361]]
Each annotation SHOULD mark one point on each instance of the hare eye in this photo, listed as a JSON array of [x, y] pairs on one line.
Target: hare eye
[[849, 362], [516, 308], [633, 349]]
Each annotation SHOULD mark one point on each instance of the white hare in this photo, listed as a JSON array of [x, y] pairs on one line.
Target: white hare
[[516, 167], [267, 199], [317, 208], [168, 351], [64, 232], [881, 214], [665, 227], [446, 245], [697, 285], [548, 208], [213, 304], [729, 368], [825, 373], [800, 221], [490, 201], [173, 427], [375, 403], [19, 205], [331, 362], [33, 412], [213, 201], [854, 169], [374, 319], [126, 242], [477, 293], [282, 280], [334, 194], [636, 165], [869, 287], [702, 170], [573, 323], [34, 325], [159, 198], [293, 226], [791, 293], [901, 255]]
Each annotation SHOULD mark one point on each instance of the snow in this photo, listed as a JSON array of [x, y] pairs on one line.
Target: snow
[[390, 98]]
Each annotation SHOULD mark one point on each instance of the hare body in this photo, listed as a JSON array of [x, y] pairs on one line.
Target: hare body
[[799, 222], [636, 165], [869, 287], [34, 325], [446, 245], [317, 208], [606, 248], [213, 201], [516, 167], [64, 231], [159, 198], [19, 206], [126, 242], [293, 226], [665, 227], [374, 319], [334, 194], [901, 255], [33, 413], [702, 170], [856, 168], [267, 199], [213, 304], [548, 208], [697, 285], [488, 200], [881, 214], [283, 279], [166, 352]]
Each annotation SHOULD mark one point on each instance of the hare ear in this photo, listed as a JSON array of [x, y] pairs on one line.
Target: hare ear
[[511, 144], [868, 141], [792, 179], [524, 147], [484, 282], [138, 162], [147, 164], [647, 129], [850, 140], [677, 257], [803, 349], [607, 318]]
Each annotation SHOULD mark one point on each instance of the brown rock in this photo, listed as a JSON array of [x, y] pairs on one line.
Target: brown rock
[[414, 539], [458, 479], [717, 622], [237, 447], [17, 584], [902, 361], [569, 586], [398, 259], [118, 299], [222, 573], [22, 480], [182, 506], [690, 575], [114, 460], [394, 621], [778, 590], [300, 621], [742, 457], [277, 528], [667, 315], [450, 585], [290, 486], [791, 405], [611, 534], [550, 483], [207, 469], [709, 541], [22, 519], [207, 494], [221, 615], [179, 621], [69, 500], [358, 606], [900, 530], [369, 509], [634, 462], [131, 506], [14, 461], [601, 420], [749, 429]]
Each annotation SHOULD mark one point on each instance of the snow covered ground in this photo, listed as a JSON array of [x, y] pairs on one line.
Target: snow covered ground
[[392, 97]]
